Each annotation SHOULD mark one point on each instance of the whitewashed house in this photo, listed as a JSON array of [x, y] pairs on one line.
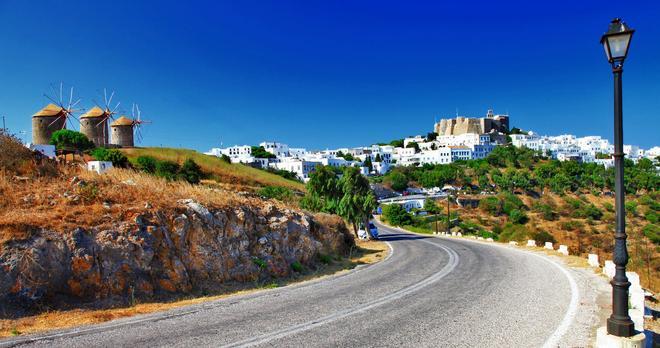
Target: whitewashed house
[[99, 167]]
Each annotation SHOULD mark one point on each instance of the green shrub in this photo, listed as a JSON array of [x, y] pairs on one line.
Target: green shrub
[[297, 266], [571, 225], [276, 192], [588, 211], [518, 216], [115, 156], [65, 139], [652, 216], [546, 211], [146, 164], [190, 172], [652, 232], [608, 206], [259, 262], [513, 232], [167, 169], [541, 237], [631, 208], [490, 205], [511, 202], [325, 259], [225, 158], [396, 215]]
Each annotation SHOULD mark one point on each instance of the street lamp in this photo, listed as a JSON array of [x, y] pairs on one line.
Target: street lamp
[[616, 42]]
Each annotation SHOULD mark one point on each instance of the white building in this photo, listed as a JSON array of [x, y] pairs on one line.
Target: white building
[[460, 153], [302, 168], [439, 156], [99, 167], [277, 149], [415, 139]]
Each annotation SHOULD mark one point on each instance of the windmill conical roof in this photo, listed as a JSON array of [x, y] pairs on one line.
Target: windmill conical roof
[[49, 110], [122, 121], [94, 112]]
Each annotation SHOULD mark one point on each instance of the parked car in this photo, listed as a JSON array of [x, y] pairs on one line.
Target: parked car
[[362, 233]]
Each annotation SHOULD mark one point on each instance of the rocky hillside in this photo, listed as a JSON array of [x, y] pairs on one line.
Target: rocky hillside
[[74, 237]]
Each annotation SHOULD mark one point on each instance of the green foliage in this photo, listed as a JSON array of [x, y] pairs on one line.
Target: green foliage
[[510, 202], [167, 170], [115, 156], [259, 262], [346, 156], [396, 215], [260, 152], [397, 143], [65, 139], [325, 259], [491, 204], [146, 164], [518, 216], [572, 225], [546, 210], [431, 207], [378, 158], [225, 158], [190, 172], [652, 216], [652, 232], [514, 232], [283, 173], [276, 192], [608, 206], [631, 208], [297, 267], [541, 237], [397, 180], [413, 145]]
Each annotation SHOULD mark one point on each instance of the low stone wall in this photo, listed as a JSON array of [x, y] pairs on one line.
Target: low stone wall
[[157, 253]]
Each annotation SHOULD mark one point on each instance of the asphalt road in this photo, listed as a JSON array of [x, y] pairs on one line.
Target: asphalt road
[[429, 292]]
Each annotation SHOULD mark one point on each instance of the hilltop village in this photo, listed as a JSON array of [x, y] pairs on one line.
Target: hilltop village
[[455, 139]]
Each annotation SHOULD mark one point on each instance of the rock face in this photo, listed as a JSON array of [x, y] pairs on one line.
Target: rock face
[[155, 253]]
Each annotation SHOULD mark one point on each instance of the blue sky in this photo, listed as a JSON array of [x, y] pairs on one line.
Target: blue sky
[[331, 73]]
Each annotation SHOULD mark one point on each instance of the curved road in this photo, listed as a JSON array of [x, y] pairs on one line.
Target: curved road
[[428, 292]]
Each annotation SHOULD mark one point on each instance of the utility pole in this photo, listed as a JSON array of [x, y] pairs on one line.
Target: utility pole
[[4, 128]]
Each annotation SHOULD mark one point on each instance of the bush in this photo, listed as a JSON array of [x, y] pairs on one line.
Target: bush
[[297, 266], [511, 202], [225, 158], [325, 259], [259, 262], [652, 232], [651, 216], [146, 164], [276, 192], [541, 237], [631, 208], [571, 225], [190, 172], [490, 205], [588, 211], [514, 232], [115, 156], [608, 206], [396, 215], [167, 169], [546, 211], [518, 216], [397, 181]]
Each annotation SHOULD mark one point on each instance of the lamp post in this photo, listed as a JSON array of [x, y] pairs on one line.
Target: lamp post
[[616, 42]]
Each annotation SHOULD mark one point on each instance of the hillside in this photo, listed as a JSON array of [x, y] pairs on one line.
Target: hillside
[[522, 195], [218, 170]]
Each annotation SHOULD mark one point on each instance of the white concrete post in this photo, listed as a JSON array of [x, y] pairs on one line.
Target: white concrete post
[[593, 260], [609, 269], [531, 243], [636, 301], [459, 234], [489, 239], [548, 245], [563, 249], [513, 243]]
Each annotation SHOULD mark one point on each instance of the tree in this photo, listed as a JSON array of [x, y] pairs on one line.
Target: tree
[[397, 180], [115, 156], [65, 139], [358, 200], [260, 152], [397, 143], [413, 145], [378, 158], [396, 215], [190, 172], [368, 164], [431, 136], [431, 207], [323, 192]]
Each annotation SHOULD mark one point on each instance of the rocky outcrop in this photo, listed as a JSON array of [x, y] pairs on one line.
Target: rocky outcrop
[[156, 253]]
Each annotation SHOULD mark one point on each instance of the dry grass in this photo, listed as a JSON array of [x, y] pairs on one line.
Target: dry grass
[[367, 252], [238, 175], [119, 195]]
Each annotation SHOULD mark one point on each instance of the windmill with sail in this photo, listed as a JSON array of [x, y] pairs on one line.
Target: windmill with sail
[[54, 116], [125, 131], [94, 123]]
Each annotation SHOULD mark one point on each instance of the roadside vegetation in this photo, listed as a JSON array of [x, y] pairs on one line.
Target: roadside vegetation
[[524, 195]]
